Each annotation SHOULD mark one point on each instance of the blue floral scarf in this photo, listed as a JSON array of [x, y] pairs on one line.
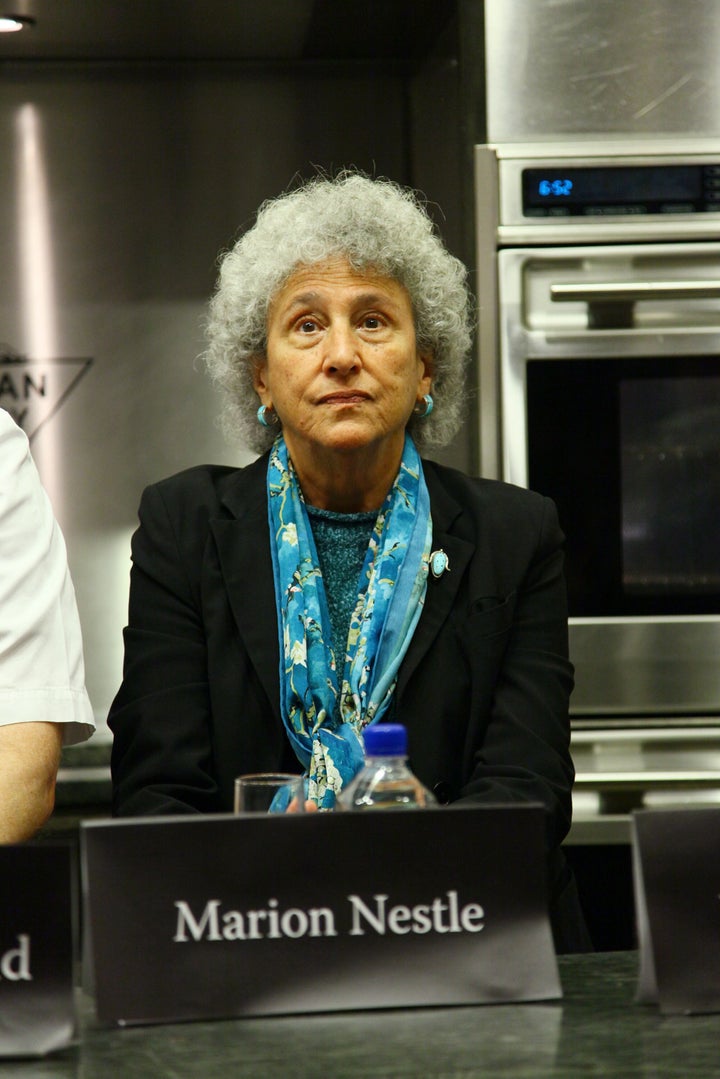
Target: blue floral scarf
[[325, 704]]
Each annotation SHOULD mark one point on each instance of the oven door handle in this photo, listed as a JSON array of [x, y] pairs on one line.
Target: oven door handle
[[611, 303]]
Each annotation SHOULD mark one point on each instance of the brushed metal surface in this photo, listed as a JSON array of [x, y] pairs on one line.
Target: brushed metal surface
[[621, 291], [578, 66], [643, 667]]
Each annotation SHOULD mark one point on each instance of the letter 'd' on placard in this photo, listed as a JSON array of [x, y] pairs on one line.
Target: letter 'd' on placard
[[15, 963]]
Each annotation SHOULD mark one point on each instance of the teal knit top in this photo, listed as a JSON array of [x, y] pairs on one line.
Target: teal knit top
[[341, 540]]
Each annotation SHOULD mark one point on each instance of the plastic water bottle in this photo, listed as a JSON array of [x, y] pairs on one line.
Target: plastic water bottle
[[385, 781]]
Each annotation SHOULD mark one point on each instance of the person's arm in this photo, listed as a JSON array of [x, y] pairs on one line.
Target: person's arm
[[160, 718], [29, 759], [525, 754], [43, 700]]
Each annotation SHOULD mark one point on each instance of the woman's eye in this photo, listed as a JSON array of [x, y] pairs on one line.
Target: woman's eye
[[371, 322], [307, 325]]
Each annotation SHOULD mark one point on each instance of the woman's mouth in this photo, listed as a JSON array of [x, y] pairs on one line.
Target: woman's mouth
[[344, 397]]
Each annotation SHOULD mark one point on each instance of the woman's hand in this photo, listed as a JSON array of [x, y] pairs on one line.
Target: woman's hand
[[310, 807]]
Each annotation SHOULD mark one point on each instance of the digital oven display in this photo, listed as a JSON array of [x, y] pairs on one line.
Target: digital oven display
[[643, 189]]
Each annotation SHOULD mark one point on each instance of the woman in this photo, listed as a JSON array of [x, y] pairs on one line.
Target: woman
[[275, 610]]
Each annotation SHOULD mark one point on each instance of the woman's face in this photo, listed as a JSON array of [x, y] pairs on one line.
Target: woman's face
[[342, 370]]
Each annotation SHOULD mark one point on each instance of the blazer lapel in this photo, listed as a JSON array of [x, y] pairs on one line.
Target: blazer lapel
[[243, 545], [441, 591]]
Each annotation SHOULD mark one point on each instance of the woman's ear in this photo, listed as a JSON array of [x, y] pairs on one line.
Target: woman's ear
[[427, 372], [259, 377]]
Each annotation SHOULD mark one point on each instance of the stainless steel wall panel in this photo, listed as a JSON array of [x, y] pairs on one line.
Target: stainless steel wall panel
[[118, 188], [592, 66]]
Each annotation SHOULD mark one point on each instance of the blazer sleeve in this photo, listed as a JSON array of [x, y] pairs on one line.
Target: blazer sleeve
[[162, 750], [521, 749]]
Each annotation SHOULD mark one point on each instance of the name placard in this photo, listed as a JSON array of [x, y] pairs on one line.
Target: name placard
[[259, 915], [37, 1007], [676, 870]]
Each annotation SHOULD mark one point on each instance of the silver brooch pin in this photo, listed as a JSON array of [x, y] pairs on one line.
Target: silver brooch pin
[[439, 563]]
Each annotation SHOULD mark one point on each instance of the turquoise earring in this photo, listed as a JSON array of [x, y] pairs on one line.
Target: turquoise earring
[[429, 406], [262, 416]]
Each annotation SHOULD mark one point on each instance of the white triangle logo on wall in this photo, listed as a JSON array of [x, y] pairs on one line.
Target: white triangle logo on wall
[[32, 391]]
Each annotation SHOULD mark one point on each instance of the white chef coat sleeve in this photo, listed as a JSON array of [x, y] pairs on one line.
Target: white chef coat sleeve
[[42, 674]]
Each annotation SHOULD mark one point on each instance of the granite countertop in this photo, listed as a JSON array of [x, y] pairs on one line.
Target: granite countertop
[[596, 1030]]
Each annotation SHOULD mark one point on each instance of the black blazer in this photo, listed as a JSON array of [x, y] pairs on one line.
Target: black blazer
[[483, 688]]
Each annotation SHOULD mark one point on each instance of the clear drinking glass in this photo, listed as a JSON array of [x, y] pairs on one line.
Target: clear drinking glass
[[255, 793]]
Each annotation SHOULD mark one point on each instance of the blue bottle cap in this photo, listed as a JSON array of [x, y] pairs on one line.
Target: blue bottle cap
[[385, 740]]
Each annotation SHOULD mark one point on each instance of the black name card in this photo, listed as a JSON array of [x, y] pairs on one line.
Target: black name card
[[676, 868], [257, 915], [37, 1007]]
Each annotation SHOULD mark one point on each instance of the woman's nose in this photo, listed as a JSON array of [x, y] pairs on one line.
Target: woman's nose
[[341, 350]]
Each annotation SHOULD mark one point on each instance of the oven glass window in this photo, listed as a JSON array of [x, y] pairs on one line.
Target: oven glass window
[[670, 485], [629, 450]]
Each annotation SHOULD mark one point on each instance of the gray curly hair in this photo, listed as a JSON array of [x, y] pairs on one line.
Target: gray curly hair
[[374, 224]]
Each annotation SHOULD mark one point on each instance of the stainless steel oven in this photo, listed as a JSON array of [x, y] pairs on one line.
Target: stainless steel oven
[[599, 332]]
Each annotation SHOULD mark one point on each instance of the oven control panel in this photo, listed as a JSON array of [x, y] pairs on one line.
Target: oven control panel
[[563, 190], [607, 191]]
